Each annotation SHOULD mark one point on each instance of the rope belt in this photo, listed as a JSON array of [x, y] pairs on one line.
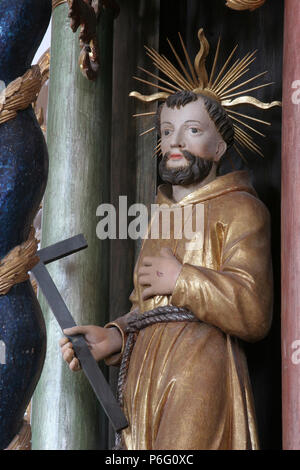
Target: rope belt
[[137, 322]]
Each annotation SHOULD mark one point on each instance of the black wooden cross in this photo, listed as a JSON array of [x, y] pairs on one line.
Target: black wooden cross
[[65, 320]]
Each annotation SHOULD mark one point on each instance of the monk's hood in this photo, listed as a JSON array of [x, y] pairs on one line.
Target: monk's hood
[[235, 181]]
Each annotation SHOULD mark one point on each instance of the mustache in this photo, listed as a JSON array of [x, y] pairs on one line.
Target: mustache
[[197, 169]]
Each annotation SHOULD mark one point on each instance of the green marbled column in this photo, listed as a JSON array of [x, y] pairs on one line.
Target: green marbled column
[[65, 411]]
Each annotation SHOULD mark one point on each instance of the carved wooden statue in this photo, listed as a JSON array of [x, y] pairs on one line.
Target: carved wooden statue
[[183, 374]]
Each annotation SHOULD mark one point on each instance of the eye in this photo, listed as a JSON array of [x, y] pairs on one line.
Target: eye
[[166, 132], [195, 130]]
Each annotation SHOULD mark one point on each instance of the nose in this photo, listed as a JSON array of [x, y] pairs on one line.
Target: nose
[[178, 145], [177, 140]]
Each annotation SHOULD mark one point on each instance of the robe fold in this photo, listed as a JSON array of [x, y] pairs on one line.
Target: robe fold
[[188, 385]]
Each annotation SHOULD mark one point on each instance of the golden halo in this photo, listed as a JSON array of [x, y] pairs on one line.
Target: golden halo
[[224, 87]]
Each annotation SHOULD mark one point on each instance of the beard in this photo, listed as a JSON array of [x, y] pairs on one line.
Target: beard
[[196, 171]]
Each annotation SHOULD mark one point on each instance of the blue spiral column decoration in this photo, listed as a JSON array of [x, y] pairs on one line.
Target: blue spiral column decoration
[[23, 178]]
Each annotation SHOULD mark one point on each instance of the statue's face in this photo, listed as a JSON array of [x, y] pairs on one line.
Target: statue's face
[[190, 129]]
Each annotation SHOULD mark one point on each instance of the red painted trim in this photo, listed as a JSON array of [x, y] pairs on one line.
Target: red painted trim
[[290, 211]]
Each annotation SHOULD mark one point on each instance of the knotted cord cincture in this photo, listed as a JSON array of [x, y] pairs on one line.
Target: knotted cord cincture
[[137, 322]]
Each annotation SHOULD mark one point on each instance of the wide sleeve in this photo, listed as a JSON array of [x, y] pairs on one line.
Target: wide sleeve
[[121, 324], [238, 297]]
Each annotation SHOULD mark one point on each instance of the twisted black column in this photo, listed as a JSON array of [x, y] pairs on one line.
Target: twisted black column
[[23, 177]]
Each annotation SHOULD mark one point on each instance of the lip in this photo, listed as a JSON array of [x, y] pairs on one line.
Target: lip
[[176, 156]]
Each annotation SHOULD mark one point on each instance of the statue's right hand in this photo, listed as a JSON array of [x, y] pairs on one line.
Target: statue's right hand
[[102, 342], [68, 354]]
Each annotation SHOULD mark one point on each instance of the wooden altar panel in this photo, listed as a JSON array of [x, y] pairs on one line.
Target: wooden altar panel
[[133, 172]]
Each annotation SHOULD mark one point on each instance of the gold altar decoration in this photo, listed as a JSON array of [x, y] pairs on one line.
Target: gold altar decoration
[[85, 14], [20, 93], [244, 4], [224, 88], [56, 3], [15, 265], [22, 440], [44, 64]]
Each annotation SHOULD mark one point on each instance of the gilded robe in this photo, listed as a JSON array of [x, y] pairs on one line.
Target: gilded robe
[[188, 384]]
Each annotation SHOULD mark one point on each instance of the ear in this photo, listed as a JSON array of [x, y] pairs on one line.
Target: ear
[[220, 150]]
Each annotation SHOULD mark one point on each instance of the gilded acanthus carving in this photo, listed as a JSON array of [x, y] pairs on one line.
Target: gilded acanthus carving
[[44, 65], [86, 14]]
